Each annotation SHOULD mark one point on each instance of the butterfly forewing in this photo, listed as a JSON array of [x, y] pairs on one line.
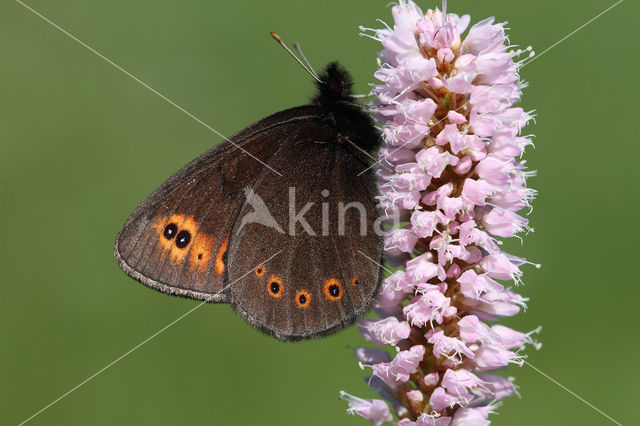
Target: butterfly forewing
[[177, 240]]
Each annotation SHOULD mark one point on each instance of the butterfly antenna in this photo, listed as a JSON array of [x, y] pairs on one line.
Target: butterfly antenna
[[304, 58], [277, 38]]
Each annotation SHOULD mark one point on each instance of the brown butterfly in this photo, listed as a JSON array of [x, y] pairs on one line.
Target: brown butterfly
[[221, 229]]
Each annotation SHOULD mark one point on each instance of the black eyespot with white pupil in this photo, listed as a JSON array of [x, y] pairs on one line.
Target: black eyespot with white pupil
[[182, 239], [275, 287], [334, 290], [170, 231], [302, 299]]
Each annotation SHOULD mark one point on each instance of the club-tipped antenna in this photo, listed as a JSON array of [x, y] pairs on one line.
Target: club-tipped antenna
[[312, 73], [304, 58]]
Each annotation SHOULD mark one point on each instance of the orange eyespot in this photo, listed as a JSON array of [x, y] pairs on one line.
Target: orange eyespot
[[303, 299], [333, 289], [218, 266], [355, 282], [200, 254], [260, 271], [275, 287], [175, 234]]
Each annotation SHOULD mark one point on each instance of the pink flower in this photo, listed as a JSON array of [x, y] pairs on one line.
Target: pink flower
[[494, 388], [422, 269], [372, 355], [499, 266], [424, 223], [454, 180], [374, 410], [403, 240], [449, 347], [434, 160], [388, 331], [496, 171], [472, 416], [460, 381], [431, 306], [472, 330], [426, 420], [504, 223], [398, 370], [440, 399], [393, 290], [492, 357]]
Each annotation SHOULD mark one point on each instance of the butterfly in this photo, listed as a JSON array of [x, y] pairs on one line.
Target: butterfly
[[278, 220]]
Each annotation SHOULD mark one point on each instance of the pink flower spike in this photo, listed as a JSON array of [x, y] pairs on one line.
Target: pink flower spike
[[450, 190]]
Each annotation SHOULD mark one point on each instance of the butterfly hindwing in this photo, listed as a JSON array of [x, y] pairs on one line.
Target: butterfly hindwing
[[177, 240], [300, 286]]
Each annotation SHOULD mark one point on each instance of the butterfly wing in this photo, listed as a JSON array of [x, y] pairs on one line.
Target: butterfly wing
[[177, 240], [301, 286]]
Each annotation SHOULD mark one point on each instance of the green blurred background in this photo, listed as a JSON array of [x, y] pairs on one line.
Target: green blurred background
[[82, 144]]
